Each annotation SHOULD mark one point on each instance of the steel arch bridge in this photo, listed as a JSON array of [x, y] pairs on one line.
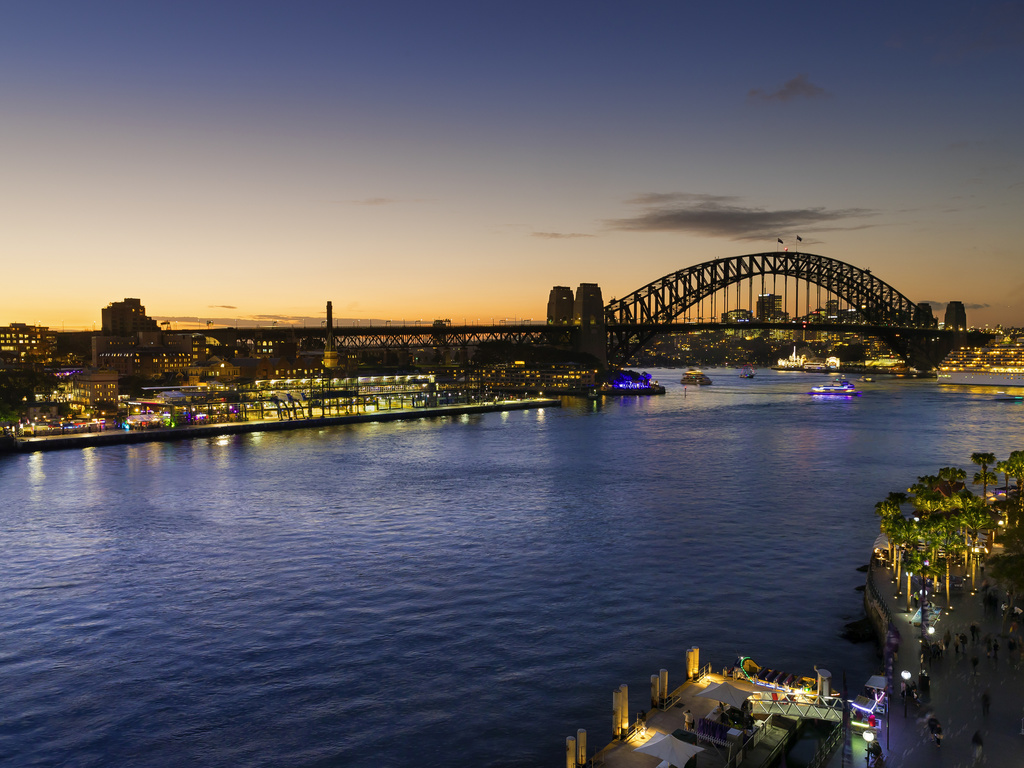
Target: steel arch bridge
[[666, 299]]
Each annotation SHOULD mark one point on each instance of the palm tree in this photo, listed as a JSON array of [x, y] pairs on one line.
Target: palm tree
[[975, 518], [928, 502], [984, 477], [1007, 568], [1015, 469], [952, 474], [1004, 468], [901, 532], [890, 508], [915, 564], [951, 544], [924, 484]]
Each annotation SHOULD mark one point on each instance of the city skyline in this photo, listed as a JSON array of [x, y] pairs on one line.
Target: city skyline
[[249, 161]]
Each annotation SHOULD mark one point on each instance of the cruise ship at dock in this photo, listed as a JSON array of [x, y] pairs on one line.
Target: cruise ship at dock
[[996, 366]]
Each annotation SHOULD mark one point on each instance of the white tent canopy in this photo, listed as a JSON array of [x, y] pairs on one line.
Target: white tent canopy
[[877, 682], [727, 694], [882, 542], [669, 748]]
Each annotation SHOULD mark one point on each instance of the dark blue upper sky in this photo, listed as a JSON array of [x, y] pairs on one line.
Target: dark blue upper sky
[[603, 142]]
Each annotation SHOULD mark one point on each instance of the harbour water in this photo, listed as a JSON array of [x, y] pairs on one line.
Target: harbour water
[[446, 592]]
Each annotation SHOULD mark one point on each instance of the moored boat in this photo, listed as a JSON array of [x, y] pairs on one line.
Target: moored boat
[[629, 383]]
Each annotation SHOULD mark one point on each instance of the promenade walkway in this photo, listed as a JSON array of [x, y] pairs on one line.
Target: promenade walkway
[[116, 436], [956, 688]]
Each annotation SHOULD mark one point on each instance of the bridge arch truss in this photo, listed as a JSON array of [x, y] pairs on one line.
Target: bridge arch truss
[[663, 301]]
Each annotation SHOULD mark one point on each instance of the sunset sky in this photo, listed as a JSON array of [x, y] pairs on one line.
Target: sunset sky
[[247, 161]]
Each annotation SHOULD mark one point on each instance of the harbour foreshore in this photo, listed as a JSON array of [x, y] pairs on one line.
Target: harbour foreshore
[[958, 680], [115, 436], [954, 685]]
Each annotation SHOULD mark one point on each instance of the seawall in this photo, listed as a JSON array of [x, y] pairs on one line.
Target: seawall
[[122, 437]]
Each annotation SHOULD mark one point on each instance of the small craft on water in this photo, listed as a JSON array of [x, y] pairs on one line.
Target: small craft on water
[[629, 383], [840, 387], [695, 377], [747, 372]]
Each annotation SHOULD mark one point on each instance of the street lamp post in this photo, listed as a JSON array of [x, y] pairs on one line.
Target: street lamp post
[[905, 674], [868, 738]]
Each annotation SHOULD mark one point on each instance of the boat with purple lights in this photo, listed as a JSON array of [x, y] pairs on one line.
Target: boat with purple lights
[[838, 388], [629, 383]]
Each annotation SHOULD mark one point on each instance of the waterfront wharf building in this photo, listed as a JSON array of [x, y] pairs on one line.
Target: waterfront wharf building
[[149, 353], [281, 399], [95, 390], [519, 377]]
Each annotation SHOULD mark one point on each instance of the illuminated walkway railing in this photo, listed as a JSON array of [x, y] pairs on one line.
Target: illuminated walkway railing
[[814, 707]]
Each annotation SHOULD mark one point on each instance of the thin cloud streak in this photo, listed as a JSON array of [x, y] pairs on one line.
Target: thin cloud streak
[[374, 201], [797, 88], [558, 235], [941, 305], [718, 216]]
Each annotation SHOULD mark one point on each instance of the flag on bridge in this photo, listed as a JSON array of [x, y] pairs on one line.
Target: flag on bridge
[[780, 241], [799, 239]]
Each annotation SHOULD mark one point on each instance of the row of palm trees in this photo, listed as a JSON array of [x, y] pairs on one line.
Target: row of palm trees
[[947, 521]]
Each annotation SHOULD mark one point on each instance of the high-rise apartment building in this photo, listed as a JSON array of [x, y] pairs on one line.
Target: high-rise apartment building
[[126, 318], [737, 316], [769, 307]]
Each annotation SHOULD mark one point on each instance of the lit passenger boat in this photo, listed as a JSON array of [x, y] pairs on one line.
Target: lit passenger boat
[[840, 387], [695, 377]]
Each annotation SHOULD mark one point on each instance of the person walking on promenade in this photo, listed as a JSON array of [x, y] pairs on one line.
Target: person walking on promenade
[[935, 729], [986, 703], [995, 649], [976, 740], [974, 632], [963, 641], [974, 666], [945, 640]]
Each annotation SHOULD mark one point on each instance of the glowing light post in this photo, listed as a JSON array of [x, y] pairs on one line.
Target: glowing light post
[[925, 629], [868, 738], [905, 674]]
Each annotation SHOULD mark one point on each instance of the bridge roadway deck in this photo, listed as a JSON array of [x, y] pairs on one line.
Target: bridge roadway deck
[[119, 437]]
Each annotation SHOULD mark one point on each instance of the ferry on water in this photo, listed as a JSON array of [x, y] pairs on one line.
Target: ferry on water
[[696, 378], [840, 387], [995, 366]]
